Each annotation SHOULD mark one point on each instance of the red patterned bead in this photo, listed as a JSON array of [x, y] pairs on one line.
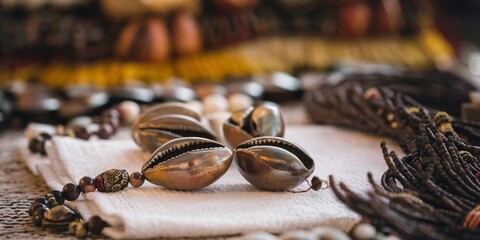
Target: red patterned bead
[[112, 180]]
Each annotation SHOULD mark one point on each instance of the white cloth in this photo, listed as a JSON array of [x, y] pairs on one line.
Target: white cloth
[[229, 206]]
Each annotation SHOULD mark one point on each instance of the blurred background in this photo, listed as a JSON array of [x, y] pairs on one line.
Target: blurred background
[[60, 59]]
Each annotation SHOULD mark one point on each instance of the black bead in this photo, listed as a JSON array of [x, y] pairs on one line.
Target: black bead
[[36, 206], [71, 191], [46, 136], [41, 200], [35, 144], [95, 225], [58, 196], [37, 220]]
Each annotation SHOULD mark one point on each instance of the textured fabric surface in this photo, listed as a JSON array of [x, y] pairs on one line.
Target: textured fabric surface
[[230, 206]]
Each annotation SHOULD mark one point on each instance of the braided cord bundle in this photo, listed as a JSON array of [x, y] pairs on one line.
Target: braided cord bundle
[[433, 192]]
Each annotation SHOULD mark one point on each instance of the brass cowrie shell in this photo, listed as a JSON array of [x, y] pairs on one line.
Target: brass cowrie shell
[[273, 163], [263, 119], [165, 122], [188, 163]]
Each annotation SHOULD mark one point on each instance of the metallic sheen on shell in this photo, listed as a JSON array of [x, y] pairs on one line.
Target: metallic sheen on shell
[[263, 119], [273, 163], [188, 163], [165, 122]]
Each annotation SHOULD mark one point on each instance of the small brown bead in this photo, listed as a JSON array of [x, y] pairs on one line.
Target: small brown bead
[[95, 225], [87, 185], [105, 131], [114, 122], [111, 113], [317, 183], [136, 179], [46, 136], [81, 132], [71, 191]]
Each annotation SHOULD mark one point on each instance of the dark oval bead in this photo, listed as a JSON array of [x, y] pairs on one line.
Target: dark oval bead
[[39, 212], [317, 183], [81, 132], [112, 180], [34, 142], [41, 148], [86, 184], [105, 131], [58, 196], [95, 225], [34, 207], [37, 220], [71, 191], [41, 200], [46, 136]]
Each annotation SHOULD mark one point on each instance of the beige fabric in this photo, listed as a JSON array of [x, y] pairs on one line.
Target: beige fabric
[[228, 207]]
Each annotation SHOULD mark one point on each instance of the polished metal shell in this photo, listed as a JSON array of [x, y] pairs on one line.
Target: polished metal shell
[[264, 119], [188, 163], [273, 163], [165, 122]]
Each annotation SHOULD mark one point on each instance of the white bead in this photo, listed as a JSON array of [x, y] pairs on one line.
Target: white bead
[[330, 233], [195, 105], [216, 120], [239, 101], [258, 236], [295, 235], [364, 231], [34, 129], [214, 103], [129, 111], [80, 121], [391, 237]]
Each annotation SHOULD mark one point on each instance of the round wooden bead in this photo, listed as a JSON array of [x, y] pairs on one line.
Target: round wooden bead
[[136, 179], [214, 103], [239, 101], [34, 208], [71, 191], [129, 111], [112, 180], [364, 231], [105, 131], [95, 225], [82, 132], [37, 217], [41, 200], [86, 184], [54, 198]]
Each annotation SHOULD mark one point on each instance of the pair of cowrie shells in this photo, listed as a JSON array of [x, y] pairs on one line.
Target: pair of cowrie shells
[[183, 159]]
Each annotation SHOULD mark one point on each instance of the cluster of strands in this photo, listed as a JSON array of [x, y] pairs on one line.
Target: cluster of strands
[[367, 104], [433, 191]]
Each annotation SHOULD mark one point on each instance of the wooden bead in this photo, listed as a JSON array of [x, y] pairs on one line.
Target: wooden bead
[[37, 216], [129, 111], [58, 196], [82, 132], [96, 225], [71, 191], [112, 180], [86, 184], [105, 131], [136, 179], [81, 230]]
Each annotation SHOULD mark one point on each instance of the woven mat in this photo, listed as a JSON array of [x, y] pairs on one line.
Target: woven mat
[[18, 188]]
